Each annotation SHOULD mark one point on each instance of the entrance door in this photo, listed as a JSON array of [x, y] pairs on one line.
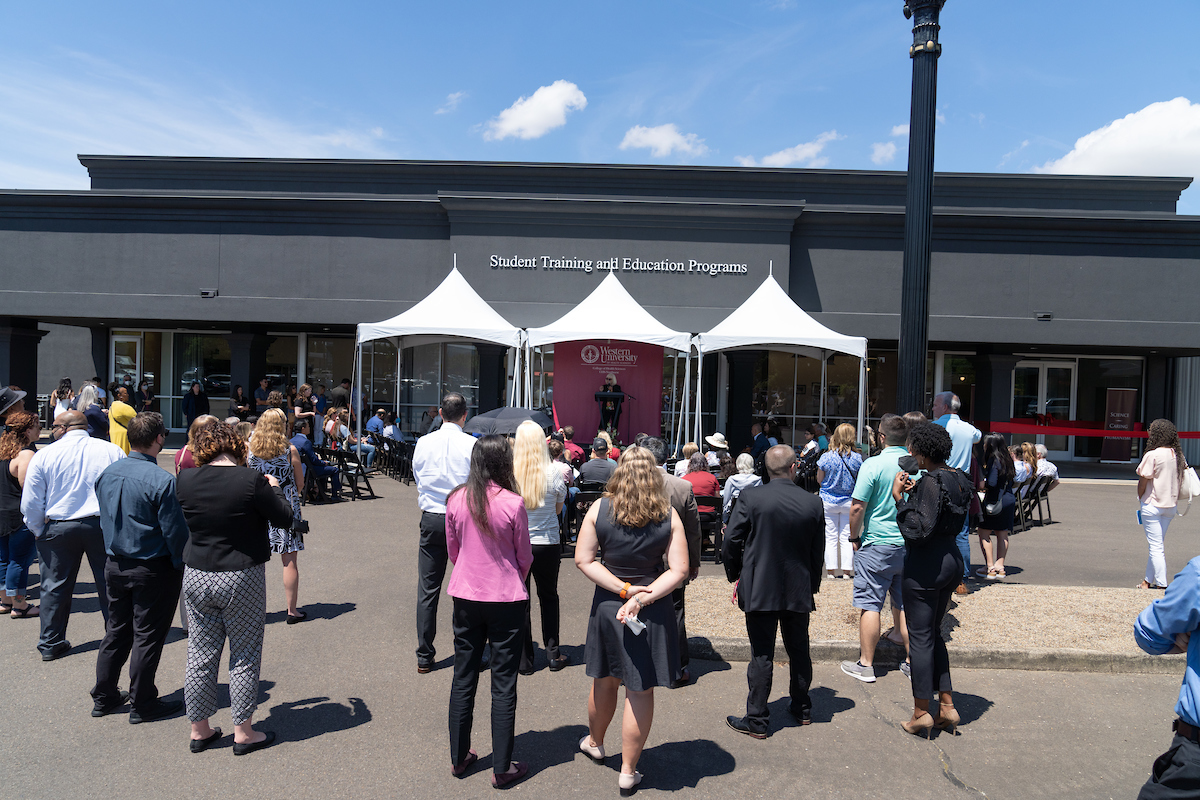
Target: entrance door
[[1045, 389], [126, 359]]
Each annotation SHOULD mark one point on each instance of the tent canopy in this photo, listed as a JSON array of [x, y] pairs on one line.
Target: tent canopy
[[453, 311], [769, 317], [609, 312]]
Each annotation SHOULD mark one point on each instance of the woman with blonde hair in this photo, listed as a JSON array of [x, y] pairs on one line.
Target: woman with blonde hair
[[271, 453], [632, 638], [543, 492], [185, 457], [681, 466], [837, 470], [613, 452]]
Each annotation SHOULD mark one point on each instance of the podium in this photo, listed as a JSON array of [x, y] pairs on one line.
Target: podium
[[610, 408]]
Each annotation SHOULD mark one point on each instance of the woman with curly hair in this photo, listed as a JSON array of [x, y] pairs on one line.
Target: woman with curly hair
[[185, 456], [17, 546], [272, 453], [228, 508], [930, 519], [1160, 474], [997, 487], [632, 638]]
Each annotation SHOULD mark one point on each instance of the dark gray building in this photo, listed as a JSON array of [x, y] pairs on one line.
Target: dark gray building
[[1047, 291]]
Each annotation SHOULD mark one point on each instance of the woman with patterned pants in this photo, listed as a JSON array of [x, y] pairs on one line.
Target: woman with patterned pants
[[228, 507]]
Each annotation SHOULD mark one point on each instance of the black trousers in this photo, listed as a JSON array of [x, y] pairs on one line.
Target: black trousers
[[431, 569], [761, 627], [1176, 773], [677, 598], [547, 559], [475, 624], [61, 549], [931, 574], [142, 596]]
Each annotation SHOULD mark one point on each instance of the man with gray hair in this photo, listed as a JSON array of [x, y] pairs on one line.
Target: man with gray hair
[[1046, 466], [963, 436]]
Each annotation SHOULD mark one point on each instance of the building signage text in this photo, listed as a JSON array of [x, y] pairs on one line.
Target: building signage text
[[616, 264]]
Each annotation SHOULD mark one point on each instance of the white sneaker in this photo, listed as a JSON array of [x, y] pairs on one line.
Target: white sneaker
[[856, 670]]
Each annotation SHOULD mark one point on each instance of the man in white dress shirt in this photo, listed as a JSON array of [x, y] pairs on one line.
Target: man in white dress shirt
[[60, 507], [441, 462]]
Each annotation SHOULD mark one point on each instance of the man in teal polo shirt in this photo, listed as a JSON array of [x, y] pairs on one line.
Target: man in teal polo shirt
[[878, 548]]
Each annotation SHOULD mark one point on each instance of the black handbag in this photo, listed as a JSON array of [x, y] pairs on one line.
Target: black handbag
[[300, 526]]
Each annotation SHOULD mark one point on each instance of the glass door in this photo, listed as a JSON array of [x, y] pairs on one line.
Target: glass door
[[1044, 392], [125, 358]]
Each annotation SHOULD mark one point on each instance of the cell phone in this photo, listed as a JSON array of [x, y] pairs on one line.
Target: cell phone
[[1139, 517], [634, 624], [909, 464]]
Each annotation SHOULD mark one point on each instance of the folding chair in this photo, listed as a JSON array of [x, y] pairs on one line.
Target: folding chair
[[353, 474], [710, 524]]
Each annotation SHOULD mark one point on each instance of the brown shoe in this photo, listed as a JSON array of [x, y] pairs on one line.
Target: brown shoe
[[424, 669], [962, 589]]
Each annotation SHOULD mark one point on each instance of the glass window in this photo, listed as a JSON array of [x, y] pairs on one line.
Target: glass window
[[462, 373], [330, 358], [1095, 377], [543, 378], [958, 376], [281, 364], [203, 358], [379, 371]]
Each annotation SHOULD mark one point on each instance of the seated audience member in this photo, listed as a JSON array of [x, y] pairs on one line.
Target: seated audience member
[[599, 467], [681, 466], [375, 424], [1029, 457], [311, 461], [728, 468], [744, 478], [716, 445], [1022, 469], [390, 429], [574, 452], [810, 445], [703, 482], [365, 450], [1045, 466], [613, 453], [819, 435]]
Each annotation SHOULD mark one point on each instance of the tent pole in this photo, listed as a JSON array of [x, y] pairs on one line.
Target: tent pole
[[824, 389], [862, 399], [399, 365], [699, 394], [358, 411], [681, 424], [674, 387], [795, 377]]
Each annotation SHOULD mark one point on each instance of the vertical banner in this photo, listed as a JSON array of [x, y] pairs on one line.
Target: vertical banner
[[579, 372], [1119, 412]]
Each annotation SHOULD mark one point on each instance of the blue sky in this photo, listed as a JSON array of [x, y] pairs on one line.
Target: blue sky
[[1091, 87]]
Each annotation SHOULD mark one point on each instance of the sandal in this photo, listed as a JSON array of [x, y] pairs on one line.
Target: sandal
[[5, 608], [24, 613]]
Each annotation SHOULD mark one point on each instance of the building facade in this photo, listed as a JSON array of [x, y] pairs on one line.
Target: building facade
[[1047, 291]]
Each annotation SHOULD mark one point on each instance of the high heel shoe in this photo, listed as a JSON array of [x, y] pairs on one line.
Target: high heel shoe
[[947, 719], [629, 783], [595, 753], [921, 725]]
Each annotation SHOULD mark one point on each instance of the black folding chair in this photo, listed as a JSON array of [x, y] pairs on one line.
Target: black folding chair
[[353, 474], [710, 524]]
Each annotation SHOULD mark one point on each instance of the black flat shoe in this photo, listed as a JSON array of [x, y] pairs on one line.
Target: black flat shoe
[[461, 770], [803, 716], [294, 618], [57, 651], [246, 749], [685, 678], [559, 663], [200, 745], [507, 779]]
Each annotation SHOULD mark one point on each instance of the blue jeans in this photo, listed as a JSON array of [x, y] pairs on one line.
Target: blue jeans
[[367, 451], [964, 547], [16, 554]]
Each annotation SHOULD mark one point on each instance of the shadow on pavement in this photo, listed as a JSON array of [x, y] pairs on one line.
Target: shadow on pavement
[[970, 707], [681, 765], [315, 611], [546, 749], [306, 719], [825, 703]]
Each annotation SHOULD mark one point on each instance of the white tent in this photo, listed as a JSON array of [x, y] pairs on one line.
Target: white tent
[[452, 312], [769, 318], [609, 312]]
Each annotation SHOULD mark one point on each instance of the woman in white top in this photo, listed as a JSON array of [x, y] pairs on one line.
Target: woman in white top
[[681, 466], [1159, 477], [61, 397], [544, 492], [744, 478]]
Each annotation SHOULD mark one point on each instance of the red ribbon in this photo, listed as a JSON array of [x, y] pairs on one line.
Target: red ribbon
[[1064, 430]]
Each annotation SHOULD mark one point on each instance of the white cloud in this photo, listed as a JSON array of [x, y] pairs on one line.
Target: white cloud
[[663, 140], [900, 130], [81, 104], [452, 101], [940, 117], [1012, 153], [536, 115], [1161, 139], [805, 154], [883, 152]]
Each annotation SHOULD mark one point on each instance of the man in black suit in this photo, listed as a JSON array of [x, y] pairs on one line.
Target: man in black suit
[[775, 546]]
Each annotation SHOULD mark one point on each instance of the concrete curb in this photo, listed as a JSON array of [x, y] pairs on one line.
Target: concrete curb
[[889, 655]]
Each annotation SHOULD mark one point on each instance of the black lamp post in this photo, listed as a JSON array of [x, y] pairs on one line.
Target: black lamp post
[[918, 209]]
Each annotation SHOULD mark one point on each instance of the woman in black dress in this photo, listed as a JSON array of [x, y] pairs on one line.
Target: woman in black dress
[[195, 403], [635, 527], [239, 403], [997, 487], [144, 397], [930, 520]]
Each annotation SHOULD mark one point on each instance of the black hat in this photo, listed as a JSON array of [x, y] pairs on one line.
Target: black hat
[[9, 398], [600, 445]]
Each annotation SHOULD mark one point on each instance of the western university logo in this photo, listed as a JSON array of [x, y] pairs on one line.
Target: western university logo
[[590, 354]]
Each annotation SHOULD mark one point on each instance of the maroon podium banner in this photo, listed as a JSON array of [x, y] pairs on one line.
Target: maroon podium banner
[[579, 372], [1120, 411]]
